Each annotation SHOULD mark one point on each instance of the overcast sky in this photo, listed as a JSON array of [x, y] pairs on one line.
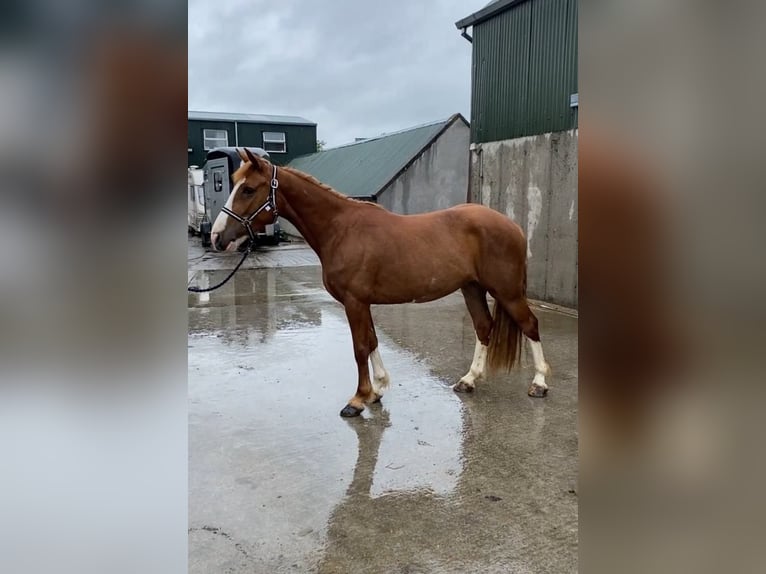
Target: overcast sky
[[356, 67]]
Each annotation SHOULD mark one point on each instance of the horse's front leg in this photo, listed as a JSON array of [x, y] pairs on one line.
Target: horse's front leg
[[360, 321]]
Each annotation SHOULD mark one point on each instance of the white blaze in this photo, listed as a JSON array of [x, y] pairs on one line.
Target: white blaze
[[220, 222]]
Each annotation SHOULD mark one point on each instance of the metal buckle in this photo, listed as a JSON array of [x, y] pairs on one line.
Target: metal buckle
[[274, 183]]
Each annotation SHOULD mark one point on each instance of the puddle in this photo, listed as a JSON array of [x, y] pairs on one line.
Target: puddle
[[290, 482], [270, 366]]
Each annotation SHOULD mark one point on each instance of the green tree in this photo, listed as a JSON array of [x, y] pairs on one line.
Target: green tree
[[321, 144]]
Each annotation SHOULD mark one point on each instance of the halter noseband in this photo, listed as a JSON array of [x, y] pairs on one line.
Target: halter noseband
[[269, 205]]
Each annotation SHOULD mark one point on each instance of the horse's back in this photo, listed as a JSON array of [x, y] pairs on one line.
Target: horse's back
[[483, 238], [465, 223], [491, 224]]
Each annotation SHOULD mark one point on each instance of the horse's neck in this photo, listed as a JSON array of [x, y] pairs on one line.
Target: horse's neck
[[310, 208]]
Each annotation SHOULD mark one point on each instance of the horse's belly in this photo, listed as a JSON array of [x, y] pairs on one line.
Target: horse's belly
[[400, 289], [411, 274]]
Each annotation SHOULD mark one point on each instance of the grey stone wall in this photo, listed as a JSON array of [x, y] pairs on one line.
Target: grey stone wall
[[533, 180], [436, 180]]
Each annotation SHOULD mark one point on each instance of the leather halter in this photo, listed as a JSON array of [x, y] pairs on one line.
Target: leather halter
[[269, 205]]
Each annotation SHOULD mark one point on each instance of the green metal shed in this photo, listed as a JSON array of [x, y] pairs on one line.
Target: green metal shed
[[524, 68], [284, 137]]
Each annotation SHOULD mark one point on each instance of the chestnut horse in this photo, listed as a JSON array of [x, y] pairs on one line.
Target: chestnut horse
[[371, 256]]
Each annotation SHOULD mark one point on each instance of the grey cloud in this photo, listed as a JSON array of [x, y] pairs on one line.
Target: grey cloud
[[356, 68]]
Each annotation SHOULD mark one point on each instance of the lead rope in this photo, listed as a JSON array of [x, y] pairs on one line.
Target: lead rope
[[229, 276], [271, 204]]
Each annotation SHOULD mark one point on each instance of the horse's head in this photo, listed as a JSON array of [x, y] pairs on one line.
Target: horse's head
[[251, 204]]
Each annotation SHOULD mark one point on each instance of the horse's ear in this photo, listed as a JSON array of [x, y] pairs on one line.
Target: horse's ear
[[251, 157], [255, 160], [247, 156]]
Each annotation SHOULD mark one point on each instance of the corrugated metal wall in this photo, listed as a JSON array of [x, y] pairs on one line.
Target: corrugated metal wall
[[524, 71], [300, 139]]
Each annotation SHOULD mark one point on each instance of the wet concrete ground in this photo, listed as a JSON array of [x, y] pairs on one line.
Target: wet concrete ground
[[428, 481]]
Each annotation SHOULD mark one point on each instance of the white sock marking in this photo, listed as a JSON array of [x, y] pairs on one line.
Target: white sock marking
[[380, 379], [541, 367], [478, 365]]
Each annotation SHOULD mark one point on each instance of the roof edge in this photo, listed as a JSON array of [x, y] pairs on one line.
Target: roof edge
[[304, 122], [486, 13], [388, 134], [452, 119]]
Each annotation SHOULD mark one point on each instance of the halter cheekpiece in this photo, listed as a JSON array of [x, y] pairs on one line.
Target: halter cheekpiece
[[269, 205]]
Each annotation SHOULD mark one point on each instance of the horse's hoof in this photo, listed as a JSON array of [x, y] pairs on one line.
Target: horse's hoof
[[350, 411], [377, 398], [537, 391], [462, 387]]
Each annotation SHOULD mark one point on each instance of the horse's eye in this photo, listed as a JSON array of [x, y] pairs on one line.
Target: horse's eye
[[248, 191]]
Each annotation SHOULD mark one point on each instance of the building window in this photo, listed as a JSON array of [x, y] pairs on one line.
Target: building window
[[274, 142], [574, 100], [215, 138]]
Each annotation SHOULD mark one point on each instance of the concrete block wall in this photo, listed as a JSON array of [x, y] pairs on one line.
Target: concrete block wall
[[533, 180], [438, 179]]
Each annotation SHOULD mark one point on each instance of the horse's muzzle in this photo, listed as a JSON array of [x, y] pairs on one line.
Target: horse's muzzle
[[215, 241]]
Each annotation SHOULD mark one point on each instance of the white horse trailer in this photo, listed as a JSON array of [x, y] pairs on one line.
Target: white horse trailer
[[196, 199]]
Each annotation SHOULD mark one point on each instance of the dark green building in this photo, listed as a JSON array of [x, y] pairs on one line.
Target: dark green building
[[524, 68], [284, 137]]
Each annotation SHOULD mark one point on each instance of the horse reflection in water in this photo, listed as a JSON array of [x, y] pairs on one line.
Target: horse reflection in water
[[256, 310], [413, 487], [418, 530], [371, 256]]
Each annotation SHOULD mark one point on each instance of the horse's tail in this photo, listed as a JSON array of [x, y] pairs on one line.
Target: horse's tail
[[504, 340]]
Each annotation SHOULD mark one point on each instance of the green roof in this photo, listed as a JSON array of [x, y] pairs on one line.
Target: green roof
[[365, 168]]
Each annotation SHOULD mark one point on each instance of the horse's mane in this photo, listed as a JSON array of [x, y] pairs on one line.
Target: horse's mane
[[311, 179], [240, 172]]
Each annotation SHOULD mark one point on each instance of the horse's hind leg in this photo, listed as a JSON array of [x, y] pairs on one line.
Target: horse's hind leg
[[363, 335], [527, 322], [380, 380], [476, 300]]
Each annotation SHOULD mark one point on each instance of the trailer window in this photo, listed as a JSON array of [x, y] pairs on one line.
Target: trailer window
[[217, 181], [275, 142], [215, 138]]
